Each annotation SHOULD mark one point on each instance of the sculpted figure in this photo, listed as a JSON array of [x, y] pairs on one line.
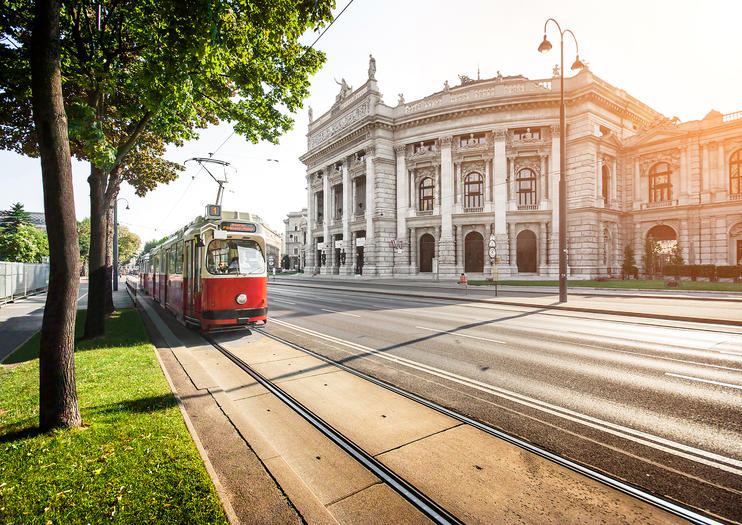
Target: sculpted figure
[[401, 99], [344, 89], [371, 67], [311, 114], [555, 71]]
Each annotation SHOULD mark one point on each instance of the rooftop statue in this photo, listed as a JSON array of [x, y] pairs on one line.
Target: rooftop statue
[[345, 89], [371, 67]]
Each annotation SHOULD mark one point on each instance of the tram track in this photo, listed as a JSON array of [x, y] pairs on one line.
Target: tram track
[[408, 491]]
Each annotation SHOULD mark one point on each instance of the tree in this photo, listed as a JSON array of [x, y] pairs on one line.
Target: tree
[[14, 218], [83, 240], [58, 405], [628, 267], [26, 244], [649, 259], [141, 75], [285, 262], [129, 244], [151, 244]]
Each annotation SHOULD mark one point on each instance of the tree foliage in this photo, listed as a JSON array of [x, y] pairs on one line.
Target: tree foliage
[[25, 244], [129, 243], [14, 218], [83, 239]]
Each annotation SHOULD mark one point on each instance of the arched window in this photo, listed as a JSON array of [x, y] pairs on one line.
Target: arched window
[[526, 184], [606, 183], [660, 188], [426, 194], [735, 173], [473, 189]]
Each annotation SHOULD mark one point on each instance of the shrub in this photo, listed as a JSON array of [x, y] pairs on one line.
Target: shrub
[[734, 272], [675, 270], [702, 270]]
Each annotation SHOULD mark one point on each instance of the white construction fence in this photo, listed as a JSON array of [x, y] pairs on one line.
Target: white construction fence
[[20, 279]]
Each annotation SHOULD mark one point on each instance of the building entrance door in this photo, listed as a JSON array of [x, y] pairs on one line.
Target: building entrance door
[[359, 260], [526, 251], [427, 252], [474, 252]]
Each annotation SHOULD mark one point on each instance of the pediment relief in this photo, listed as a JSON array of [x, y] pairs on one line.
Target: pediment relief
[[732, 145], [532, 163], [421, 173], [736, 230], [472, 167]]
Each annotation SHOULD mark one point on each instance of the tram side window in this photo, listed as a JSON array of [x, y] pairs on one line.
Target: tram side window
[[235, 257], [171, 260], [179, 259]]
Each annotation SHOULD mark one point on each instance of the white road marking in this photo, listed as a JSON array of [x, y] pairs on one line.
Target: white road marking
[[666, 445], [83, 295], [738, 387], [730, 353], [341, 313], [457, 334], [282, 301]]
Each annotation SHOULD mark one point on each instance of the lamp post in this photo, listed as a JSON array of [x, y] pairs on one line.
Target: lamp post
[[543, 47], [116, 242]]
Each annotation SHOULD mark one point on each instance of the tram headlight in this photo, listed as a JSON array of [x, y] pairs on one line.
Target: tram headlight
[[241, 299]]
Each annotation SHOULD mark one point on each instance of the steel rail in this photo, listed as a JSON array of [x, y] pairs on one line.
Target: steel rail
[[668, 506], [405, 489]]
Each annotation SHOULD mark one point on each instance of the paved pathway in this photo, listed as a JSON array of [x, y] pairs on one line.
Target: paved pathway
[[22, 319]]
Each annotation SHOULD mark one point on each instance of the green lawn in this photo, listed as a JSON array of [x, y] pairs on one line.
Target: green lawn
[[133, 460], [632, 283]]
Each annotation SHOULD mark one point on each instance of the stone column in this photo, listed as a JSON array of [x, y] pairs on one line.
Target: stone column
[[722, 182], [413, 251], [614, 180], [706, 175], [684, 179], [487, 197], [401, 261], [511, 245], [309, 246], [542, 247], [555, 163], [458, 235], [599, 178], [500, 175], [347, 268], [445, 261], [369, 251], [637, 184], [544, 186], [329, 249]]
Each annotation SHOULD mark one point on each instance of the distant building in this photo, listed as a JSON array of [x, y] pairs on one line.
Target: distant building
[[38, 219], [273, 244], [295, 238], [429, 186]]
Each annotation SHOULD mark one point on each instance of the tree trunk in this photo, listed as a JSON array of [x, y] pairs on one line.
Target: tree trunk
[[109, 262], [58, 405], [95, 319]]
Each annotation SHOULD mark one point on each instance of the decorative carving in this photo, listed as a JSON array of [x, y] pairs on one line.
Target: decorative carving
[[731, 146], [340, 124], [371, 67], [499, 134], [399, 149], [555, 130], [672, 157], [465, 80], [472, 167], [447, 141], [532, 163]]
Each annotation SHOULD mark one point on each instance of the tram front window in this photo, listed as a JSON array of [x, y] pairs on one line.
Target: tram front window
[[234, 257]]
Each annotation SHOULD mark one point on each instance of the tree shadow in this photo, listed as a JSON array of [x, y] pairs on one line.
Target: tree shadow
[[134, 406]]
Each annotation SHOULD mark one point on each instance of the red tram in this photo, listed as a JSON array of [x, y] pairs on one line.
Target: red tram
[[211, 273]]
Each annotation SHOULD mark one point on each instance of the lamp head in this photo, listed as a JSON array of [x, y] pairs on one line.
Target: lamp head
[[127, 206], [578, 64], [544, 46]]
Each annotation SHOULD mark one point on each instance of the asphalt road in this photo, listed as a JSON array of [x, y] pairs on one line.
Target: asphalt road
[[655, 403]]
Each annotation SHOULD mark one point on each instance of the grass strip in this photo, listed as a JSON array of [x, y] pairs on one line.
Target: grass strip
[[133, 461], [656, 284]]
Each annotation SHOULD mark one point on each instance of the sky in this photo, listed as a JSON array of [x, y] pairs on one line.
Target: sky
[[680, 57]]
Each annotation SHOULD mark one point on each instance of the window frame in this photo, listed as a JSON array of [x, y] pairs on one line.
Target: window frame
[[735, 161], [208, 266], [426, 194], [474, 190], [659, 190], [526, 195]]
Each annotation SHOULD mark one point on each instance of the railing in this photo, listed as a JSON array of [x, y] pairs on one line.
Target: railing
[[20, 279], [529, 207], [735, 196], [660, 204], [731, 116], [359, 216], [424, 212], [479, 209]]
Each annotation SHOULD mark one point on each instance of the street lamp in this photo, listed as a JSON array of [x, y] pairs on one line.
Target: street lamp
[[116, 242], [544, 47]]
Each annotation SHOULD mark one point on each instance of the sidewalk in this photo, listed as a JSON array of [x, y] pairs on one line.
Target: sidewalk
[[701, 307], [20, 320]]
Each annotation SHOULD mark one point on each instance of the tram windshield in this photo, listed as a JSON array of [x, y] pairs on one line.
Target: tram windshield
[[235, 257]]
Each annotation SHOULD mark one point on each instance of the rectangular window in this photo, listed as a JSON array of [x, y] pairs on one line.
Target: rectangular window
[[179, 258]]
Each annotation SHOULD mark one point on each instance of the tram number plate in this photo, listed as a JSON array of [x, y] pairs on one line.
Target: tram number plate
[[239, 227]]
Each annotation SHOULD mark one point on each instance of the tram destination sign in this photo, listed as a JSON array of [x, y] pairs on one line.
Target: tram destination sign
[[245, 227]]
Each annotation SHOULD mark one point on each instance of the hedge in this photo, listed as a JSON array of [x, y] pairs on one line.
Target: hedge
[[729, 271], [692, 270]]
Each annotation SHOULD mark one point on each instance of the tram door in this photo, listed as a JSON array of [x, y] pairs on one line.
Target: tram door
[[196, 277], [188, 279], [169, 257]]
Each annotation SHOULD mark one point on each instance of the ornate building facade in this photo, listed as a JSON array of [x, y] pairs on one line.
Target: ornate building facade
[[295, 238], [429, 187]]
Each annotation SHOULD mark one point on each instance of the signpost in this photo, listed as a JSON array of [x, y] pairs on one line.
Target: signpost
[[494, 259]]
